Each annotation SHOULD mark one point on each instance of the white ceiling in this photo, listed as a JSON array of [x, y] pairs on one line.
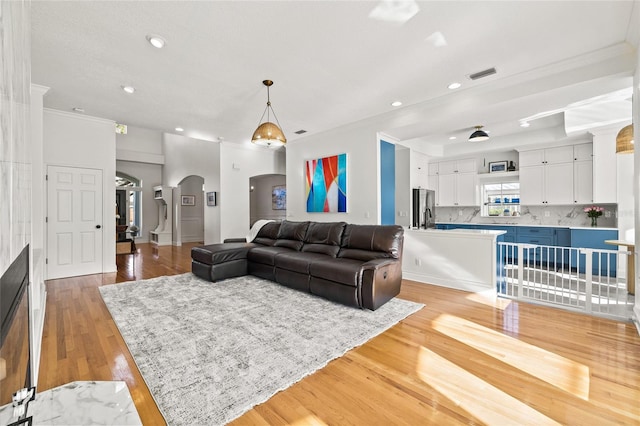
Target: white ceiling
[[331, 64]]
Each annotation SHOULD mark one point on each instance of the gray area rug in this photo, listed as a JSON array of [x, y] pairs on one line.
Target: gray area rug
[[211, 351]]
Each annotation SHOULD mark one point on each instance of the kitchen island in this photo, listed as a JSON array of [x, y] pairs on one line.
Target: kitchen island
[[463, 259]]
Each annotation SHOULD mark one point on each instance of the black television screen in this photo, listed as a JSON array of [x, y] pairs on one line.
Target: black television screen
[[14, 328]]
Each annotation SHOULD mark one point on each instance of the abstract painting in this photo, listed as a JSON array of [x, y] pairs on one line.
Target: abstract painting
[[326, 184], [279, 198]]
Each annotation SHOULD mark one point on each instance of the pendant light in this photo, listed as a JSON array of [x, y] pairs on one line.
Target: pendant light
[[624, 140], [479, 135], [268, 133]]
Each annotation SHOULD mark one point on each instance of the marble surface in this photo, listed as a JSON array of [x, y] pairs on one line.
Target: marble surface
[[572, 216], [528, 225], [81, 403]]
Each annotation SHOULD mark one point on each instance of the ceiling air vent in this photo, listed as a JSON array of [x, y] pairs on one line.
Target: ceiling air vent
[[482, 74], [299, 132]]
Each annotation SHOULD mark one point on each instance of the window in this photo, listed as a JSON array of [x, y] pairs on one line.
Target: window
[[501, 199], [132, 200]]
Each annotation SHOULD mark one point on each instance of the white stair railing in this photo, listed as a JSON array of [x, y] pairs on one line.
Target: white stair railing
[[584, 279]]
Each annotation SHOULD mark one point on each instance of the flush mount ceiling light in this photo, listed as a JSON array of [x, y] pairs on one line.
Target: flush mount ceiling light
[[129, 89], [624, 140], [479, 135], [452, 138], [268, 133], [156, 41], [454, 85], [396, 103], [394, 11]]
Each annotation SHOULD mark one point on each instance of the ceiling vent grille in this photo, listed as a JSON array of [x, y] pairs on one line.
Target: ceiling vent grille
[[299, 132], [482, 74]]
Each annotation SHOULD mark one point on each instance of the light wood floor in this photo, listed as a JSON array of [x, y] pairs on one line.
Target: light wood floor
[[460, 360]]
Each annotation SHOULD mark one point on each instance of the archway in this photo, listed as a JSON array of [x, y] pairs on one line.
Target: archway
[[267, 197], [189, 205]]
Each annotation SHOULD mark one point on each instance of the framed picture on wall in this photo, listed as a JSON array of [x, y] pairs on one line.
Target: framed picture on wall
[[279, 197], [188, 200], [497, 167], [211, 199], [326, 184]]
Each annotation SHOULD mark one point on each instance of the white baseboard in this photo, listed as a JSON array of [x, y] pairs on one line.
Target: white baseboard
[[472, 286]]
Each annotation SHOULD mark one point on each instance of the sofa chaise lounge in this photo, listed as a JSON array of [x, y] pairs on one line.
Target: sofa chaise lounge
[[357, 265]]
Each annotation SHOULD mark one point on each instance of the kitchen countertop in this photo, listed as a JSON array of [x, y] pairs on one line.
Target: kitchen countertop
[[527, 225]]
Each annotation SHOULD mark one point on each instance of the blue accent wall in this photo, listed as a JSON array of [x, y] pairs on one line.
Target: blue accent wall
[[387, 183]]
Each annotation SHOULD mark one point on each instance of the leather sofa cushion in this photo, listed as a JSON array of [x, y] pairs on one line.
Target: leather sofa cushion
[[367, 242], [269, 231], [266, 255], [324, 238], [291, 234], [297, 261], [343, 271], [220, 253], [292, 230], [264, 241]]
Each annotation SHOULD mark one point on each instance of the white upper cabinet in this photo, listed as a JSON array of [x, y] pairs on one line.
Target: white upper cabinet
[[456, 182], [583, 182], [447, 167], [531, 158], [561, 175], [583, 152], [536, 157], [583, 173]]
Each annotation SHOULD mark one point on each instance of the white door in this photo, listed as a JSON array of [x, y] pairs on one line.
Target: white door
[[447, 190], [583, 182], [466, 189], [74, 221], [559, 183], [532, 185]]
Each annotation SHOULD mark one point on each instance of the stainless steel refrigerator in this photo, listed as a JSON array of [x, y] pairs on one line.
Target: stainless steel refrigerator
[[424, 208]]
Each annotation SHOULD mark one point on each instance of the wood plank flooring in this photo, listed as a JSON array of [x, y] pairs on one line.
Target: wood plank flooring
[[460, 360]]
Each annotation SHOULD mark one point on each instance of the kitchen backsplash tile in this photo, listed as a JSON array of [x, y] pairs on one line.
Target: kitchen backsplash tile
[[573, 215]]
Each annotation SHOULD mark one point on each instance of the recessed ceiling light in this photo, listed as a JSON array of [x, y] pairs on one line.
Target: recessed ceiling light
[[395, 11], [454, 85], [156, 41], [437, 39], [179, 129], [452, 138], [129, 89], [396, 103], [524, 124]]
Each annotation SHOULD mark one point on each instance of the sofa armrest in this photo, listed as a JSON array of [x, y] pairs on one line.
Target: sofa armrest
[[381, 280], [235, 240]]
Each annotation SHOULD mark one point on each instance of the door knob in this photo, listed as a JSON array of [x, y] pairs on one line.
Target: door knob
[[98, 226]]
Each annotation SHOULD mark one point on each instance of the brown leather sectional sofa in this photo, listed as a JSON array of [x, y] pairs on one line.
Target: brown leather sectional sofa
[[357, 265]]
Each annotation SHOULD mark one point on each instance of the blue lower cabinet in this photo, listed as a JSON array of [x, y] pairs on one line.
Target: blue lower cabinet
[[602, 264], [539, 236]]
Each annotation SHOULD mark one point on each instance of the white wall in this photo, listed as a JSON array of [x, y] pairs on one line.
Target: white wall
[[403, 186], [260, 198], [186, 156], [636, 177], [38, 290], [75, 140], [17, 147], [139, 140], [360, 143], [238, 164], [150, 175]]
